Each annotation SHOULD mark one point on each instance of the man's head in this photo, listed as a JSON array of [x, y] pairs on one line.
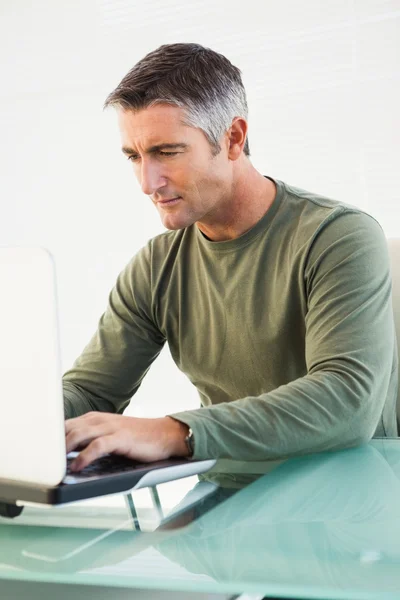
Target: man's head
[[189, 95]]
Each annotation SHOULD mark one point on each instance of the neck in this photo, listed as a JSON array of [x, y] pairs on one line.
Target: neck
[[248, 201]]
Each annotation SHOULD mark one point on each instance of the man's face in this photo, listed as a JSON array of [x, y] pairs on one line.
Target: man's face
[[201, 181]]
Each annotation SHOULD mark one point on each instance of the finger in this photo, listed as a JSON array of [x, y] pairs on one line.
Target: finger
[[83, 435], [71, 423], [92, 416], [96, 449]]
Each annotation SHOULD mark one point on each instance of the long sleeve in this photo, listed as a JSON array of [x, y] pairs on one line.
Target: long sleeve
[[349, 350], [112, 366]]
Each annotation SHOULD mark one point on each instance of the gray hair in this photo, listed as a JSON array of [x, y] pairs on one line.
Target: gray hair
[[201, 81]]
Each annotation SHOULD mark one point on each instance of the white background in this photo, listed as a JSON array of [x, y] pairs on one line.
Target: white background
[[323, 87]]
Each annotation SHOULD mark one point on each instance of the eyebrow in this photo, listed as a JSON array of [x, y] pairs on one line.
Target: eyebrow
[[182, 146]]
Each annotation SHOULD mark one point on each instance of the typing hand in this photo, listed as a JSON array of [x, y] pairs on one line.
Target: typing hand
[[145, 440]]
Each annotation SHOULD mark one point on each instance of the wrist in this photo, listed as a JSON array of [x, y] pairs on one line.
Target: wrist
[[178, 434]]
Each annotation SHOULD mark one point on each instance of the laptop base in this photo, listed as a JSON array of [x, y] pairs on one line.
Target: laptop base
[[14, 494]]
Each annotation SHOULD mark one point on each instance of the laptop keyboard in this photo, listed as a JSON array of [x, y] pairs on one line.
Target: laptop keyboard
[[106, 465]]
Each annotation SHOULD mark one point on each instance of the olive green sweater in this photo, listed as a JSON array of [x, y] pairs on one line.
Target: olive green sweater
[[287, 332]]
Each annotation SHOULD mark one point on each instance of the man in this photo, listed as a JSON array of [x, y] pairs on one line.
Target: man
[[275, 302]]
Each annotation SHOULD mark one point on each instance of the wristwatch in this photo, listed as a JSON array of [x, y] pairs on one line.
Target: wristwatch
[[189, 440]]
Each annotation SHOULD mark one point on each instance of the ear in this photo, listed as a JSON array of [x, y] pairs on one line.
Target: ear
[[237, 137]]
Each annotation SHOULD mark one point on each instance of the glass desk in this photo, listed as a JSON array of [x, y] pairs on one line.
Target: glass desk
[[324, 526]]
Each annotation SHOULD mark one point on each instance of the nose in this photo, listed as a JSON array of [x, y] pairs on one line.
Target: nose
[[151, 178]]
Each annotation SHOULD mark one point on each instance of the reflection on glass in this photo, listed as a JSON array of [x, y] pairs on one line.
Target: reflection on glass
[[328, 520], [323, 522]]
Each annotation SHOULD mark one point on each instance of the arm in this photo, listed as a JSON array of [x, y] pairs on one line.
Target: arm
[[113, 364], [349, 352]]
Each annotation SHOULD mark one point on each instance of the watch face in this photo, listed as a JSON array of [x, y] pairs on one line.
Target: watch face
[[190, 442]]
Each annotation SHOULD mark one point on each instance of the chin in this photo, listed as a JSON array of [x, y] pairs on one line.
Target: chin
[[174, 224]]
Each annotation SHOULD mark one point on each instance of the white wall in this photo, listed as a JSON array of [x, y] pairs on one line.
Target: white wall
[[323, 85]]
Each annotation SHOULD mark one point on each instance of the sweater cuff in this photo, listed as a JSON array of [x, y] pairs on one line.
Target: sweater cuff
[[192, 419]]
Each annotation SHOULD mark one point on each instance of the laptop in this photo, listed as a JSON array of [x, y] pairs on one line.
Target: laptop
[[33, 460]]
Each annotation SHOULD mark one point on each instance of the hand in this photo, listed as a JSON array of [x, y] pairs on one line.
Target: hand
[[145, 440]]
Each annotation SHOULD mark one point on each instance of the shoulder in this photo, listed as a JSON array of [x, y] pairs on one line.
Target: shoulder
[[313, 218], [318, 232]]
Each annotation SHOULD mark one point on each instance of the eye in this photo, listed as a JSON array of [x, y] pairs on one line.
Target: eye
[[134, 157]]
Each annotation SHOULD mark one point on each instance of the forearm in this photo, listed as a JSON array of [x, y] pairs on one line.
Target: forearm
[[312, 414]]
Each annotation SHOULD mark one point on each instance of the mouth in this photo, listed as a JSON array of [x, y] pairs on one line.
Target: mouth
[[170, 202]]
